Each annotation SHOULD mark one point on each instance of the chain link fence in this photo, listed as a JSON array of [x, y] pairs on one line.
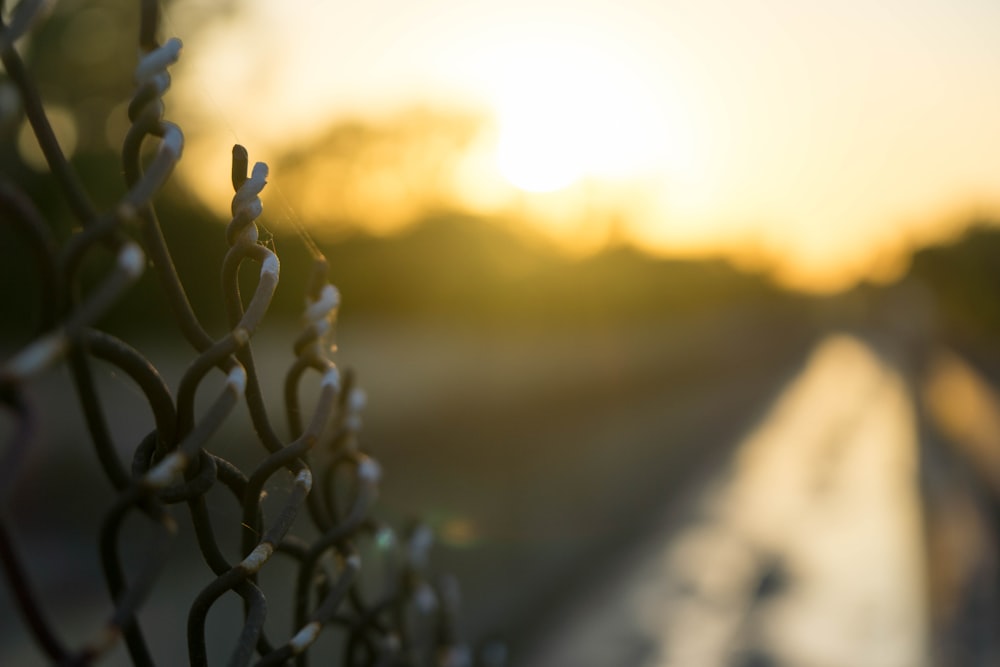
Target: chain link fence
[[401, 619]]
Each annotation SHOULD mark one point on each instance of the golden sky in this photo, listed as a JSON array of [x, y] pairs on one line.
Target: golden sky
[[820, 139]]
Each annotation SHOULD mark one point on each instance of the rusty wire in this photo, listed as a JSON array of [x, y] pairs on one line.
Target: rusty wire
[[174, 465]]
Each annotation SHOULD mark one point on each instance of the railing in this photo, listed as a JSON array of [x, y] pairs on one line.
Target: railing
[[334, 482]]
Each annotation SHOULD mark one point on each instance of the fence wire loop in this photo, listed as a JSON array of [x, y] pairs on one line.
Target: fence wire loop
[[168, 479]]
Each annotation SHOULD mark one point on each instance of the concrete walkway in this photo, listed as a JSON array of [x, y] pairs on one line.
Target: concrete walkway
[[807, 551]]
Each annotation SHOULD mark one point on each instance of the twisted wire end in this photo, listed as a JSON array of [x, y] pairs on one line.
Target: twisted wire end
[[246, 205]]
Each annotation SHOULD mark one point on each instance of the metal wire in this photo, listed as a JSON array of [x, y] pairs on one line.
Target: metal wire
[[175, 464]]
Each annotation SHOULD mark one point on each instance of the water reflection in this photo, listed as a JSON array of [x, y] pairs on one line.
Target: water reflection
[[807, 551], [816, 531]]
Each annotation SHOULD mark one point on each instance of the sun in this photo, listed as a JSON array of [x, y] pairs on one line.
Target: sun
[[569, 113], [536, 152]]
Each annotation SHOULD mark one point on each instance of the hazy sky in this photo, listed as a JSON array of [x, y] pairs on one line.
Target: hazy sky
[[821, 135]]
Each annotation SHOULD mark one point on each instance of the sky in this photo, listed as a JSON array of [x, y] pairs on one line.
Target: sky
[[817, 140]]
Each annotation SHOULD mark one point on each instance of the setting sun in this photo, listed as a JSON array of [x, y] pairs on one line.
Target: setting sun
[[566, 111], [824, 141]]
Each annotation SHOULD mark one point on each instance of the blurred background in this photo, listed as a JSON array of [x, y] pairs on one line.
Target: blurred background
[[678, 320]]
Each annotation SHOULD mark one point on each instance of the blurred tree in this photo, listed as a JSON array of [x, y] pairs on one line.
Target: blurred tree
[[965, 279], [378, 175], [391, 173]]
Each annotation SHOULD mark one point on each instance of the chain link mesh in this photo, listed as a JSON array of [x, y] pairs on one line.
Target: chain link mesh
[[334, 482]]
